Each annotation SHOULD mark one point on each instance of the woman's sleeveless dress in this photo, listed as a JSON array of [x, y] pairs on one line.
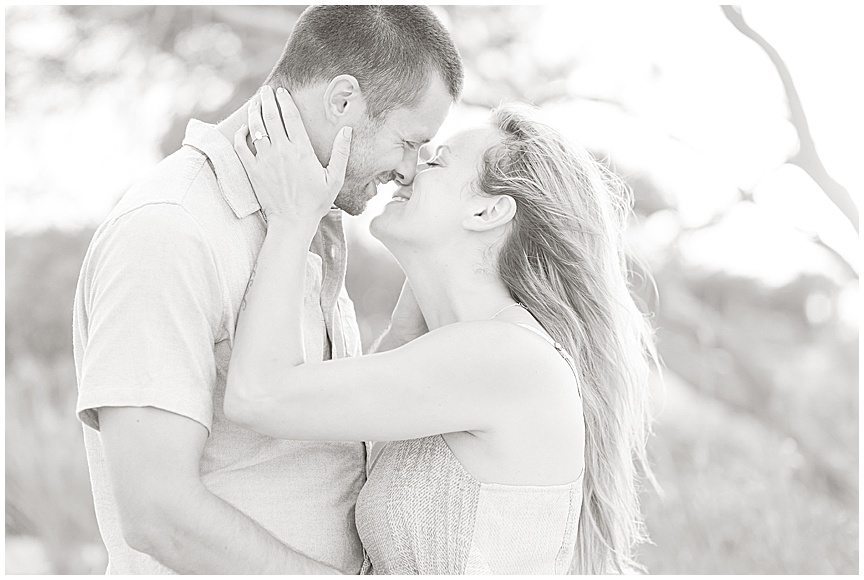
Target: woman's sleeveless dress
[[421, 512]]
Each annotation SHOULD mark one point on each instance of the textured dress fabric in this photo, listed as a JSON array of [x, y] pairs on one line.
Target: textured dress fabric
[[421, 512]]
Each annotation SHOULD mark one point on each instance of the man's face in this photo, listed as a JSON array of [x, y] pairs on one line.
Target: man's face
[[385, 151]]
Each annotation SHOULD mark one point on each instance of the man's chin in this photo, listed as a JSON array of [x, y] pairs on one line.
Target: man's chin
[[354, 201]]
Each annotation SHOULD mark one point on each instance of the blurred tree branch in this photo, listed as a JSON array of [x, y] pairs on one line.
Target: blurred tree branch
[[807, 158]]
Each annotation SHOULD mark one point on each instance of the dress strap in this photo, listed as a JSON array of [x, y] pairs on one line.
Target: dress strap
[[564, 354]]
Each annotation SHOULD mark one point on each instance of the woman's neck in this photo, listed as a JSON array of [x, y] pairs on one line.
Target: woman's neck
[[451, 291]]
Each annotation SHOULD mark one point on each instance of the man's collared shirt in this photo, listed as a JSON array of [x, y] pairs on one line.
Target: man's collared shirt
[[154, 316]]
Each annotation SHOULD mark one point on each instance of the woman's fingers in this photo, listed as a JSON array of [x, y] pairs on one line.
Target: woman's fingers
[[272, 119], [242, 148], [260, 138], [291, 117], [339, 160]]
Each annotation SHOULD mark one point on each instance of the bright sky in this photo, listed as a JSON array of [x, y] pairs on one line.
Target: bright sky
[[682, 69]]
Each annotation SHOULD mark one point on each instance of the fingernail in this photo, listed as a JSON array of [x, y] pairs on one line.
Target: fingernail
[[280, 90], [346, 132]]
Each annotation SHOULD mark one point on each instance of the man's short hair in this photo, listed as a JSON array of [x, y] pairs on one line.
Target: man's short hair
[[392, 51]]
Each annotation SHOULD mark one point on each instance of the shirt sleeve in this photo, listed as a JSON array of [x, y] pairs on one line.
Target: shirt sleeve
[[153, 305]]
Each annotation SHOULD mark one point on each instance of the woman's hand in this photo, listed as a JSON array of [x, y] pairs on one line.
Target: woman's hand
[[287, 177]]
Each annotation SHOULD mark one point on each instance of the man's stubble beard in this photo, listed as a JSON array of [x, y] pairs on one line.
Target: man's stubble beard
[[352, 199]]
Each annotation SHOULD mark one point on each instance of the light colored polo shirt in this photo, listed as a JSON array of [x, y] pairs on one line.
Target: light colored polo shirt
[[154, 316]]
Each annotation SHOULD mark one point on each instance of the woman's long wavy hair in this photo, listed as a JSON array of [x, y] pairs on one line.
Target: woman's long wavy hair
[[564, 259]]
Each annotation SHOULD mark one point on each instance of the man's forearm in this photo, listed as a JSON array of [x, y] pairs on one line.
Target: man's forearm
[[202, 534]]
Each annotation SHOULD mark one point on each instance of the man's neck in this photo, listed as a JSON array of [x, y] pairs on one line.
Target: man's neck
[[304, 99], [231, 124]]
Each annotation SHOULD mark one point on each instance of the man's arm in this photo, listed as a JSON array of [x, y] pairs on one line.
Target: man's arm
[[406, 323], [147, 376], [153, 459]]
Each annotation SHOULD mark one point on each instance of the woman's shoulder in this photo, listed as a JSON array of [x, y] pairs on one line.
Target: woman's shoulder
[[506, 352], [531, 392], [499, 336]]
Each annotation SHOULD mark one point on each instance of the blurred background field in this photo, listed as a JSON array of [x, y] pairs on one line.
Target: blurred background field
[[748, 235]]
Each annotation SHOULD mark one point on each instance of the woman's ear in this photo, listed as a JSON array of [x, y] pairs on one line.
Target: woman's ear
[[343, 101], [490, 213]]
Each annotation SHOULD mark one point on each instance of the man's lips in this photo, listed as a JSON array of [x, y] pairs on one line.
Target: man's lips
[[372, 190], [372, 186]]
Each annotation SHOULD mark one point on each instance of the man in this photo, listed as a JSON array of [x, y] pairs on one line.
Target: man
[[177, 486]]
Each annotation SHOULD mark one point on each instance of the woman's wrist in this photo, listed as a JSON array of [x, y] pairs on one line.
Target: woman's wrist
[[283, 224]]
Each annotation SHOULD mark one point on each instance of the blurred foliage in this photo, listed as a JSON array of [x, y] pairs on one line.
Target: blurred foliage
[[756, 442], [47, 483]]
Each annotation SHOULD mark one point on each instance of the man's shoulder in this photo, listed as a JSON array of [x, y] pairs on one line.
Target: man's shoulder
[[153, 211], [180, 193], [169, 182]]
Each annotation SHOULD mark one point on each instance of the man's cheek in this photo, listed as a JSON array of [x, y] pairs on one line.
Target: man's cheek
[[356, 170]]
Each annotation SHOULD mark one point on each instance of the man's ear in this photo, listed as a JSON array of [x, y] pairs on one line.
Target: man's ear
[[344, 103], [490, 213]]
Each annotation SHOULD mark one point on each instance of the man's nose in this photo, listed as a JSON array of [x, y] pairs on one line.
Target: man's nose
[[407, 169]]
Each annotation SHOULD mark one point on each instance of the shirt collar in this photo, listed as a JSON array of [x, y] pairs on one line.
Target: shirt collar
[[230, 175]]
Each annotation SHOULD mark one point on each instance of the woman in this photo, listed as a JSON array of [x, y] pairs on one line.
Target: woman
[[506, 454]]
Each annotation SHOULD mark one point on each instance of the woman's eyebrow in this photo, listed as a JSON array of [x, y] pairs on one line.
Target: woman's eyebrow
[[433, 153]]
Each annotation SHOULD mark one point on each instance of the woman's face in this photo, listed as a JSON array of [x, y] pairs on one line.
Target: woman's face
[[432, 210]]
